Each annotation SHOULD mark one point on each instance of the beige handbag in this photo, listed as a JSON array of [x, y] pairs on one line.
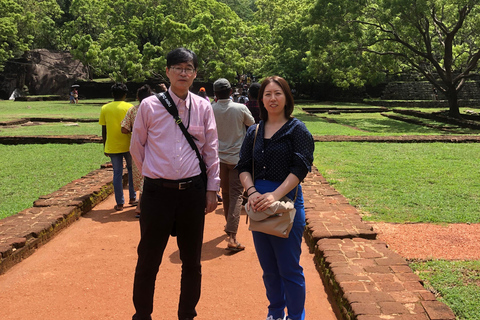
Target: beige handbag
[[277, 220]]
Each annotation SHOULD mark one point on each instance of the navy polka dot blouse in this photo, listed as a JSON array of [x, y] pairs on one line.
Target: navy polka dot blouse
[[289, 150]]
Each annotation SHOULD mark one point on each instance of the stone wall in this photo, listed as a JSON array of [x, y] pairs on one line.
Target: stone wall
[[423, 90]]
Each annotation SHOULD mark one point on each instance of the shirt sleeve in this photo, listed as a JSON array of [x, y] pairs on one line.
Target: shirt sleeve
[[101, 119], [210, 150], [127, 121], [246, 152], [303, 148], [139, 137], [248, 118]]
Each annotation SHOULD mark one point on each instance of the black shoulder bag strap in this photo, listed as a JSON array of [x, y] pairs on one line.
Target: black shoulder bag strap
[[168, 103]]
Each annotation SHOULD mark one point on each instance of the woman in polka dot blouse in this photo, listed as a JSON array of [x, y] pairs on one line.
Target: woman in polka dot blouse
[[283, 156]]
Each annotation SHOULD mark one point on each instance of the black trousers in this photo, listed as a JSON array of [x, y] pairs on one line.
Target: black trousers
[[165, 208]]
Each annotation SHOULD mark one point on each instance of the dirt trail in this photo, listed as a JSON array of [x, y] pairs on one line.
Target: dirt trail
[[86, 272]]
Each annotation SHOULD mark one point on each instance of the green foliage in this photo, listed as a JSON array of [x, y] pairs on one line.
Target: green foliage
[[127, 40], [245, 9], [286, 43], [12, 41], [39, 23]]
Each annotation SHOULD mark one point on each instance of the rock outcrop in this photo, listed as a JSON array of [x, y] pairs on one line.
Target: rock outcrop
[[42, 72]]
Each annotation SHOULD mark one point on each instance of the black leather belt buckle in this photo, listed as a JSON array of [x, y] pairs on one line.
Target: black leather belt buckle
[[184, 185]]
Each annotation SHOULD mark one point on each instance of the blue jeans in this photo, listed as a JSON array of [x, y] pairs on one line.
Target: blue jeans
[[117, 163], [280, 260]]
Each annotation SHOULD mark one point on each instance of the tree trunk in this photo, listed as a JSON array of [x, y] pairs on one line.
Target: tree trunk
[[452, 98]]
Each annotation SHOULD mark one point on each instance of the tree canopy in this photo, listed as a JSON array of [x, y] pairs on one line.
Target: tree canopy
[[344, 42]]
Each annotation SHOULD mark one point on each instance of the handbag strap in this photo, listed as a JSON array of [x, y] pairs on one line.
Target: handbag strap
[[253, 166], [168, 103], [253, 151]]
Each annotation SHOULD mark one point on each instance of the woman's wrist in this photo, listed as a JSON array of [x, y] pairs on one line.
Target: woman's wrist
[[250, 188], [253, 193]]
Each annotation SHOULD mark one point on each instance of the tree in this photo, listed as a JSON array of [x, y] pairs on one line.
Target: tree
[[12, 42], [285, 44], [39, 22], [437, 38]]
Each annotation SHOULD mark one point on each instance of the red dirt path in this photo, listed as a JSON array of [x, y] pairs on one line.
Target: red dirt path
[[86, 272], [431, 241]]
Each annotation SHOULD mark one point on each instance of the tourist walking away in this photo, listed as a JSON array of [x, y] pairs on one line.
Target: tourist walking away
[[203, 93], [160, 87], [252, 103], [282, 157], [127, 126], [116, 144], [232, 120], [175, 143]]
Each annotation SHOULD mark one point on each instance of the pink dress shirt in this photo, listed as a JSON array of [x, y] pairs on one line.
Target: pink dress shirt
[[159, 147]]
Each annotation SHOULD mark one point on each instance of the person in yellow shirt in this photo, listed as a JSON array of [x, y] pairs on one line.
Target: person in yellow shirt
[[116, 144]]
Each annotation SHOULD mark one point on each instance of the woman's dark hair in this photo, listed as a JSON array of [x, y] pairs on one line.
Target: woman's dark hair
[[181, 55], [119, 90], [144, 92], [289, 103]]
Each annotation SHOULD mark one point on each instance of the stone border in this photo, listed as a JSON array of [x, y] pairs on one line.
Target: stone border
[[365, 279]]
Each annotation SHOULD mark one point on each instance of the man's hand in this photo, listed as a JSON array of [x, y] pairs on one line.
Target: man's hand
[[212, 201]]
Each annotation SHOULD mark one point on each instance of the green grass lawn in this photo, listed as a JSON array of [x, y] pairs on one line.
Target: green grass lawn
[[53, 129], [29, 171], [13, 110], [405, 182]]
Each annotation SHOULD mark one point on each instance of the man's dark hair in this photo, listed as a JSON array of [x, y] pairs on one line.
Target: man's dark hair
[[253, 90], [144, 92], [119, 90], [181, 55], [223, 94]]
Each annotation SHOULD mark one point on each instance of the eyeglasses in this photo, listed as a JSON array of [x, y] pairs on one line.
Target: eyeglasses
[[178, 70]]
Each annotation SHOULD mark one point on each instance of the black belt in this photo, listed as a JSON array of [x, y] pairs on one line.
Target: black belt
[[181, 184]]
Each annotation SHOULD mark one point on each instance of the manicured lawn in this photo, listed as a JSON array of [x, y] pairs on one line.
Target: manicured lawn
[[29, 171], [13, 110], [405, 182]]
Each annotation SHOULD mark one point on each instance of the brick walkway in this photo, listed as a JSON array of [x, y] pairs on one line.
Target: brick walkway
[[365, 278]]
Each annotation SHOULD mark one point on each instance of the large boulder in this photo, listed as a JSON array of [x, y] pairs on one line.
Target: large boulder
[[42, 72]]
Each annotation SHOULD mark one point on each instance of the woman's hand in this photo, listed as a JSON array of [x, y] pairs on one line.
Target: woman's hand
[[261, 202]]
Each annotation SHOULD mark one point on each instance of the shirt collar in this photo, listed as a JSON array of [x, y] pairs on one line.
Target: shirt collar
[[177, 100]]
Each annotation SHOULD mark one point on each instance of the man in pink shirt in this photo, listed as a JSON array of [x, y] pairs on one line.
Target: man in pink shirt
[[175, 197]]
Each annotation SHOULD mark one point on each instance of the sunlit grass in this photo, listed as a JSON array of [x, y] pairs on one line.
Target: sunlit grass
[[29, 171]]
